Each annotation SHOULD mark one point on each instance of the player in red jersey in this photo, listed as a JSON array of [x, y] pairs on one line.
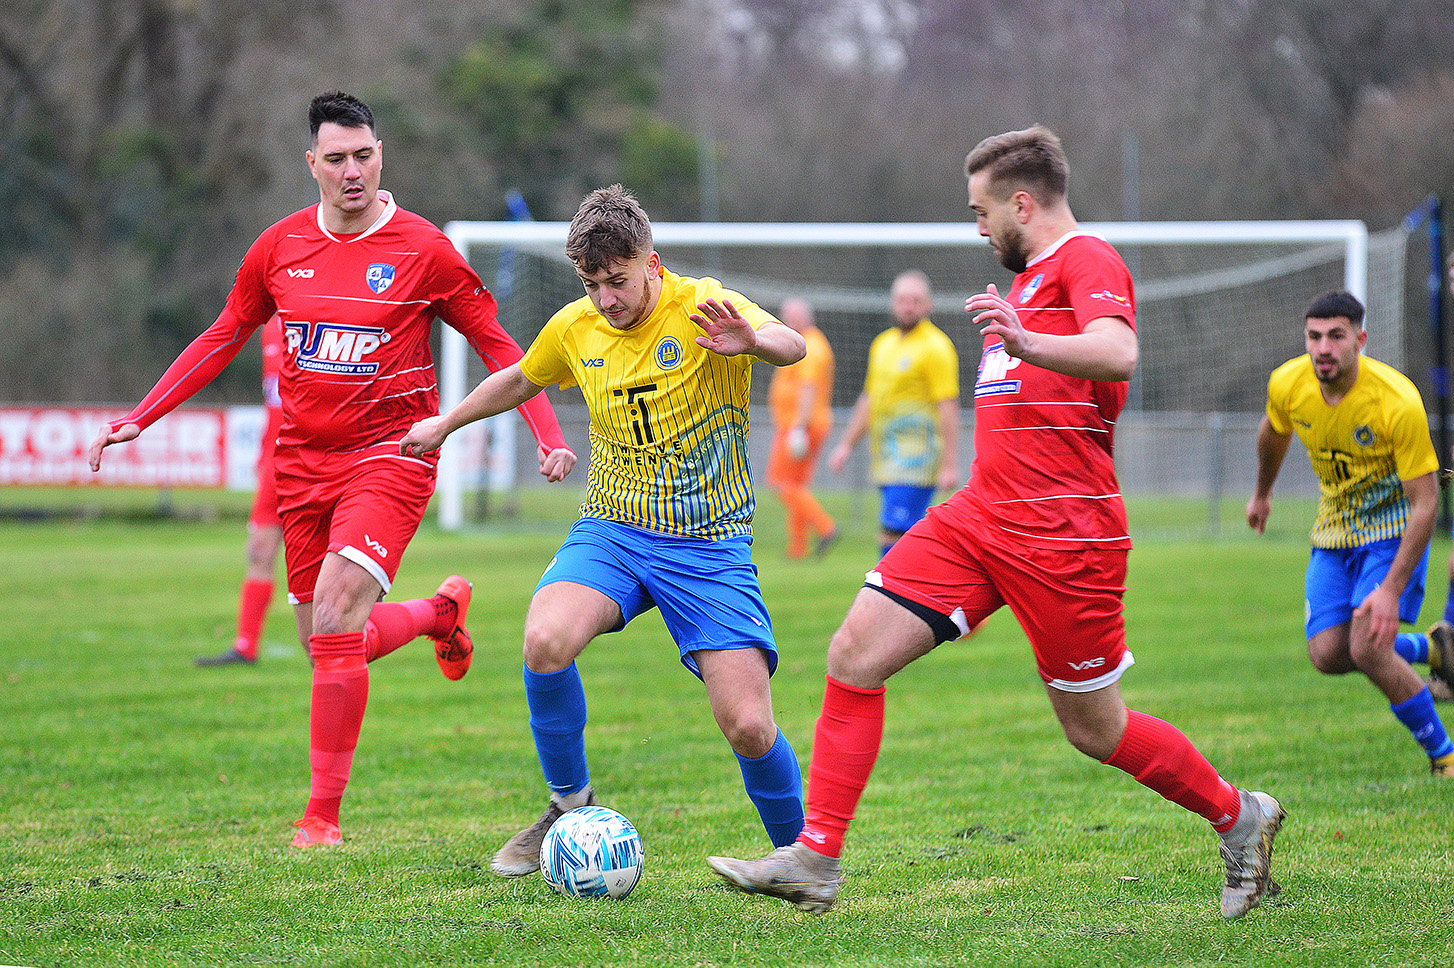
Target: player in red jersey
[[1040, 527], [357, 282], [264, 527]]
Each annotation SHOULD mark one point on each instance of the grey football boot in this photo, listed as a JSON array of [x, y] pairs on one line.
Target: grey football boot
[[797, 874]]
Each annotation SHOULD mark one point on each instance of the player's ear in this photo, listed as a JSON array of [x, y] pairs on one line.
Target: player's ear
[[1024, 204], [312, 163]]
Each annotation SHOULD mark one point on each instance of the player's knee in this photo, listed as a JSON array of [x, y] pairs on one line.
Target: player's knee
[[851, 657], [750, 734], [546, 649], [1331, 663], [1090, 739]]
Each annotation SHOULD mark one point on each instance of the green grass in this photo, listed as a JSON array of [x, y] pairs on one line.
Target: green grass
[[145, 805]]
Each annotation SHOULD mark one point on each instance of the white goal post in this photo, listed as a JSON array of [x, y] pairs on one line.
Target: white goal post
[[1291, 245]]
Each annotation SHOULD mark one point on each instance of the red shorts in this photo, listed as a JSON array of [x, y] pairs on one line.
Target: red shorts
[[1067, 601], [364, 506], [265, 501]]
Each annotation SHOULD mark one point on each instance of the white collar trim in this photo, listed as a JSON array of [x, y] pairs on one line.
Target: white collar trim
[[1061, 241], [390, 207]]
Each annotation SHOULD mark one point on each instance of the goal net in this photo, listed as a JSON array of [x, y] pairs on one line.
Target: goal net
[[1219, 305]]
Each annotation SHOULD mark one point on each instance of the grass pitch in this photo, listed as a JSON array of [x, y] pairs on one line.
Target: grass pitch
[[145, 805]]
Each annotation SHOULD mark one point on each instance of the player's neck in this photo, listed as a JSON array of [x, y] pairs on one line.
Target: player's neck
[[1335, 390], [1054, 225], [351, 223]]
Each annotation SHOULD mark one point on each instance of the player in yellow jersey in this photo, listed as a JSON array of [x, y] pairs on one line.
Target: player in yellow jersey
[[910, 410], [1367, 435], [664, 363]]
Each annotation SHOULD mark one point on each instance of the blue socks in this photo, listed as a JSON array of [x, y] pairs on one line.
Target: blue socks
[[774, 783], [1412, 647], [558, 723], [1419, 716]]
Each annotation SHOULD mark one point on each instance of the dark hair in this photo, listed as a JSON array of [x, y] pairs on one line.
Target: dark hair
[[341, 109], [610, 226], [1333, 304], [1031, 160]]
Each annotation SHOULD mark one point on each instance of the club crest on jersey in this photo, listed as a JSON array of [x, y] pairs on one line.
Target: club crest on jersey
[[380, 277], [668, 353], [1031, 287], [335, 347], [1364, 435], [994, 369]]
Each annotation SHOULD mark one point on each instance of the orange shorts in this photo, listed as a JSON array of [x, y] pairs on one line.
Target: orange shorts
[[364, 506], [1069, 602]]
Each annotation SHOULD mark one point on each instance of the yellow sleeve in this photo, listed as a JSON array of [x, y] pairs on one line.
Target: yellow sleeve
[[943, 372], [1277, 392], [1413, 451], [546, 361]]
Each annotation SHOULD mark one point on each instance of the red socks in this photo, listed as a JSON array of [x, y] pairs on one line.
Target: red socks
[[394, 624], [850, 731], [1159, 756], [340, 693], [252, 612], [845, 747]]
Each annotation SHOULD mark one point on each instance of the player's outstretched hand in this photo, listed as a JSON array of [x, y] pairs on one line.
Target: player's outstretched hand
[[107, 437], [996, 317], [555, 464], [425, 437], [727, 332]]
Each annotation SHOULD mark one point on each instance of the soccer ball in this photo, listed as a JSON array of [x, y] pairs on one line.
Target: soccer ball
[[592, 852]]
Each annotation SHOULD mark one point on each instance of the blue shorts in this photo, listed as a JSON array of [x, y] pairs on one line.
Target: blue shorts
[[1339, 579], [707, 591], [903, 505]]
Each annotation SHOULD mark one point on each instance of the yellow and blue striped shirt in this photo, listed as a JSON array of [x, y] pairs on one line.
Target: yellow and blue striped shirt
[[1362, 449], [668, 417]]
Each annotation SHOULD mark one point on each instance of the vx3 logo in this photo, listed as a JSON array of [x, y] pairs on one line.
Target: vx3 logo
[[301, 273], [378, 548], [596, 362], [1095, 663]]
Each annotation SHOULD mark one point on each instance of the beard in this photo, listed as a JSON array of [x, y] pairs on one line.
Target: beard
[[1011, 250]]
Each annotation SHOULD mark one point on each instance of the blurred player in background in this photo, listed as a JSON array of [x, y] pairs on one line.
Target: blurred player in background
[[910, 409], [357, 281], [801, 400], [1039, 527], [264, 527], [1439, 644], [1367, 434], [665, 365]]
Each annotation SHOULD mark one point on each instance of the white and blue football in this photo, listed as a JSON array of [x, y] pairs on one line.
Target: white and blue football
[[592, 852]]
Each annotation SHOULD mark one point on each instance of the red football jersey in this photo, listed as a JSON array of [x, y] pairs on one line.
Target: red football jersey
[[274, 348], [357, 311], [1043, 473]]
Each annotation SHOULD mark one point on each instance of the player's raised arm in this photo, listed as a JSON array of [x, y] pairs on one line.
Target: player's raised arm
[[1105, 350], [728, 333]]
